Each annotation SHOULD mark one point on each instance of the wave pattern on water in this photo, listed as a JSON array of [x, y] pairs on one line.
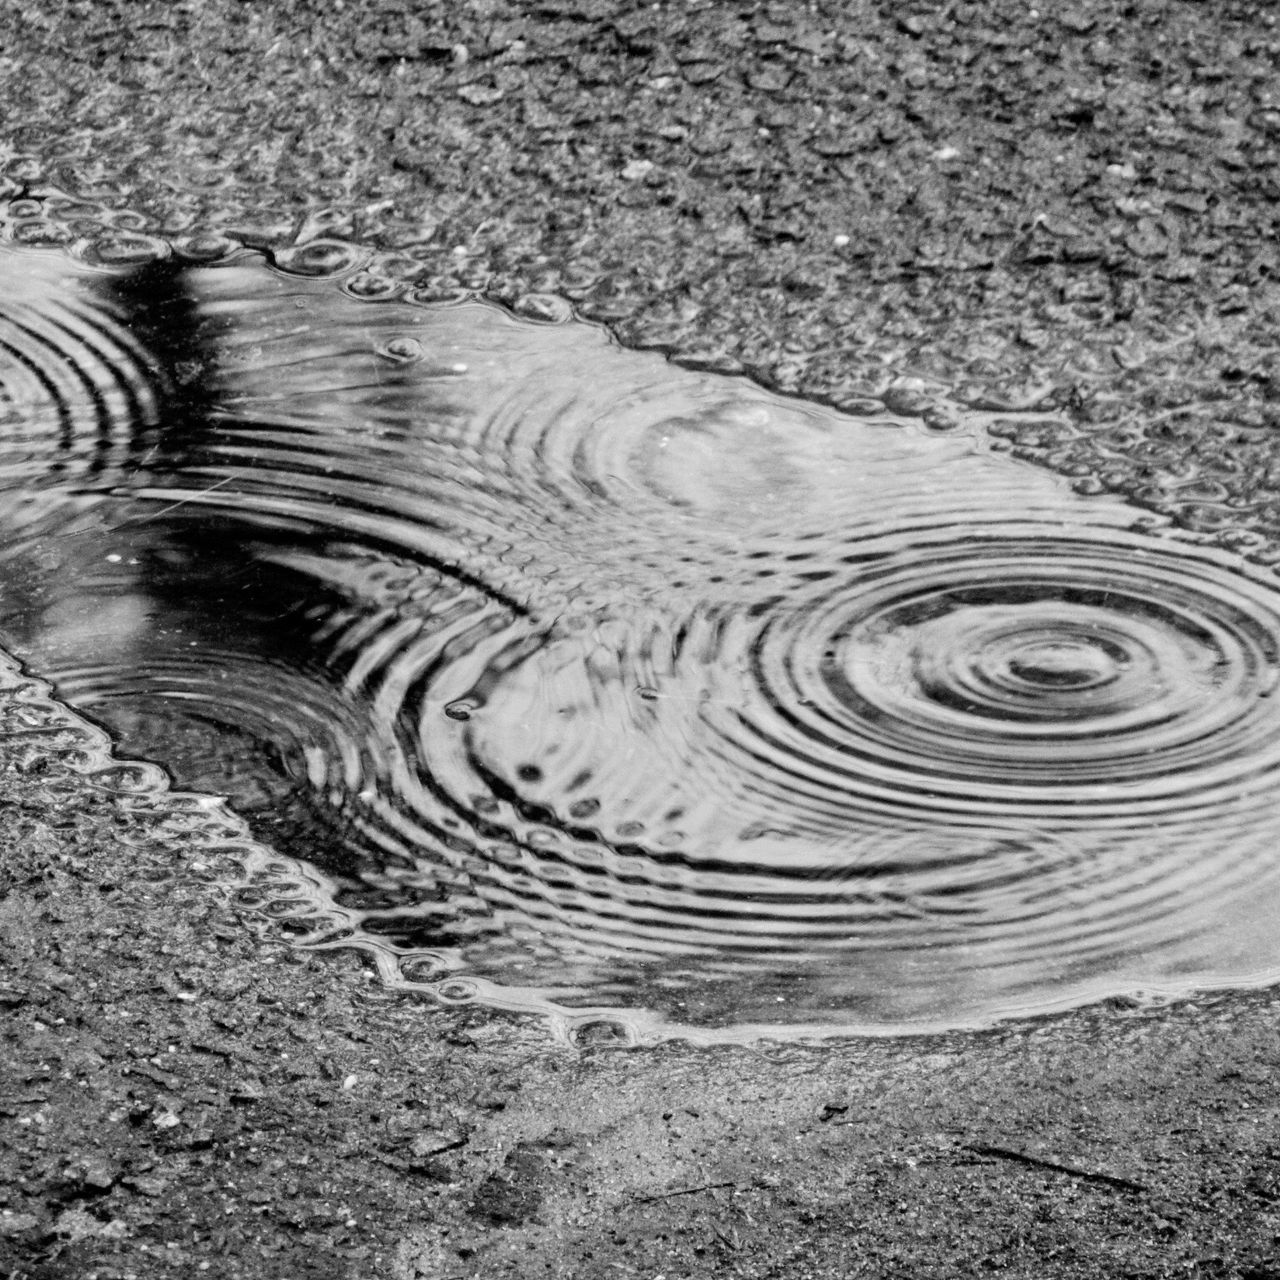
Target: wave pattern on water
[[605, 689]]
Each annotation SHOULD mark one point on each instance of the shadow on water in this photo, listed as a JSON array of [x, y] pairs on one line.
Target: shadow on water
[[591, 682]]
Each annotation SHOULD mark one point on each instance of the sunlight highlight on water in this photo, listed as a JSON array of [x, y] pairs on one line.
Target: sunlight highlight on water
[[591, 683]]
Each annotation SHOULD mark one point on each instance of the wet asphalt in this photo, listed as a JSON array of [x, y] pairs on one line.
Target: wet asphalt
[[939, 204]]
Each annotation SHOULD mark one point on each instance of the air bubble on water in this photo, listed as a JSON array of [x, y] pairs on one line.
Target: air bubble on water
[[601, 1033], [325, 935], [401, 350], [126, 219], [284, 908], [26, 171], [82, 760], [80, 213], [125, 249], [457, 991], [131, 777], [908, 397], [22, 209], [204, 246], [441, 292], [398, 266], [42, 234], [372, 287], [320, 258], [705, 360], [942, 419], [545, 307], [421, 969]]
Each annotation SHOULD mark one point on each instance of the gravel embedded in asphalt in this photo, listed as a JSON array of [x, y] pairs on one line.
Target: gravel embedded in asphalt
[[934, 202]]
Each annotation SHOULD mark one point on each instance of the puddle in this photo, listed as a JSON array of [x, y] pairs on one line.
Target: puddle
[[638, 696]]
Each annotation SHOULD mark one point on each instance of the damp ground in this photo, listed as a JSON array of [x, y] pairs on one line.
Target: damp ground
[[219, 1098]]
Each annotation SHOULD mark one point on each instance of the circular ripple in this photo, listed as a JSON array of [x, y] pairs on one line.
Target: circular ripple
[[1029, 677], [985, 766], [76, 386]]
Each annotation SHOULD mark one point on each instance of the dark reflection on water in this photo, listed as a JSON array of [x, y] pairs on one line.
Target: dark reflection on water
[[592, 681]]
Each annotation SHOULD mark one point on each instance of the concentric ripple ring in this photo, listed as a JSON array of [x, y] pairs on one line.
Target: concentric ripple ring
[[1026, 734], [79, 389], [1027, 677]]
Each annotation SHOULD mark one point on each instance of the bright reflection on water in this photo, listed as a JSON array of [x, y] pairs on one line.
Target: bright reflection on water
[[593, 682]]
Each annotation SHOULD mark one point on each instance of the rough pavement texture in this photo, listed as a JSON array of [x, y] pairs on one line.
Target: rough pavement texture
[[939, 202]]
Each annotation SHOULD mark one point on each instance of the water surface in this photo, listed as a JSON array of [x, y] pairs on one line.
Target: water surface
[[590, 683]]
